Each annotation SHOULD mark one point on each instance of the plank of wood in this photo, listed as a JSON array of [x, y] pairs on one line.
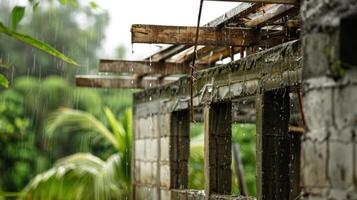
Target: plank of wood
[[267, 16], [264, 1], [144, 67], [186, 35], [239, 11], [95, 81]]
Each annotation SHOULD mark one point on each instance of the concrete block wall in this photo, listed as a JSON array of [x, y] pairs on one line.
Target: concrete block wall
[[329, 147], [160, 156], [161, 120]]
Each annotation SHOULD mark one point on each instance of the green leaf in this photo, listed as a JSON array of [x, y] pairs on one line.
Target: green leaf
[[3, 81], [93, 5], [63, 2], [36, 43], [34, 7], [16, 16]]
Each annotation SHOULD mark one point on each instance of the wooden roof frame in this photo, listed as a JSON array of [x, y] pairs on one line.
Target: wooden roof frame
[[252, 26]]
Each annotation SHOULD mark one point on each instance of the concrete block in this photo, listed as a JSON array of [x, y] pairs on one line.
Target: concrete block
[[318, 110], [165, 176], [315, 55], [146, 193], [164, 149], [165, 122], [340, 164], [313, 164], [151, 149], [345, 100], [139, 149], [146, 172]]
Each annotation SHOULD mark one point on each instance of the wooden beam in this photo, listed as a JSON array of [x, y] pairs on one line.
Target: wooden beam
[[94, 81], [264, 1], [144, 67], [267, 16], [238, 12], [186, 35]]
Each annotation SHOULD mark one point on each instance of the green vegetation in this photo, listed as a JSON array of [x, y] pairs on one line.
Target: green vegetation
[[244, 134], [83, 175], [25, 111]]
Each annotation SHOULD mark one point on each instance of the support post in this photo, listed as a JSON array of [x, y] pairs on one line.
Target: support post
[[179, 149], [273, 147], [217, 148]]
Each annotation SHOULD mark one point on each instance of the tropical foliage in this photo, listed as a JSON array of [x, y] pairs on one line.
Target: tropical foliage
[[82, 175], [244, 134], [24, 110]]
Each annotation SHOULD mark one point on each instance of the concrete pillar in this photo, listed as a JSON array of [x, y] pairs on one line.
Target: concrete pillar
[[328, 159], [218, 152], [273, 145]]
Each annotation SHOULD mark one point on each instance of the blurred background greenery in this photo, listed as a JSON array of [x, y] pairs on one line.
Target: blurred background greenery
[[42, 93]]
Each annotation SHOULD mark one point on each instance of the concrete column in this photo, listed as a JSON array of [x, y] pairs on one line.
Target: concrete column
[[218, 152], [273, 145], [329, 151]]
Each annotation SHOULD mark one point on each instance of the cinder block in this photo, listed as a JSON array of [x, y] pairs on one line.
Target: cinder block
[[151, 149], [340, 165], [316, 49], [313, 164], [154, 173], [146, 172], [165, 122], [165, 176], [318, 111], [143, 128], [154, 126], [345, 107], [136, 133], [147, 193], [139, 149], [164, 149]]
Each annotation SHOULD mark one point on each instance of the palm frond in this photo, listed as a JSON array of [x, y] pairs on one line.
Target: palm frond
[[74, 121], [80, 176]]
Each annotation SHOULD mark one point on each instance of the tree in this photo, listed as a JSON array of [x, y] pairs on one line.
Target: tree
[[59, 27]]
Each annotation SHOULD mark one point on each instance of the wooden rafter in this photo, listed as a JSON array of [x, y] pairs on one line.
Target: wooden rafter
[[240, 11], [118, 82], [268, 16], [144, 67], [264, 1], [185, 35]]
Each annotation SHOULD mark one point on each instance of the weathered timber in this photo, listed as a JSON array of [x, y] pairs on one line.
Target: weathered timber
[[235, 15], [273, 145], [271, 15], [238, 12], [217, 147], [264, 1], [118, 82], [167, 53], [206, 55], [265, 70], [144, 67], [186, 35]]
